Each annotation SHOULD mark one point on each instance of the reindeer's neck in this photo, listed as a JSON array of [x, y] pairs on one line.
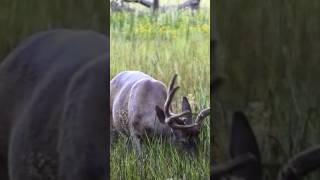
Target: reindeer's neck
[[163, 130]]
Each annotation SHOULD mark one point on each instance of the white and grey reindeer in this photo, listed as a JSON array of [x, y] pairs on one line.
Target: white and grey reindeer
[[140, 106]]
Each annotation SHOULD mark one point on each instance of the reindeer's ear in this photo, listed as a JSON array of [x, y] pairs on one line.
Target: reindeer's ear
[[243, 141], [186, 107], [160, 114], [185, 104]]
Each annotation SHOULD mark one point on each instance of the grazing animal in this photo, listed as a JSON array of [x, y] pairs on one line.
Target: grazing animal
[[140, 106], [245, 160], [53, 107]]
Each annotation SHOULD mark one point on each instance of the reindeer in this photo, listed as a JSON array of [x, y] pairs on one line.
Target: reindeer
[[140, 107], [245, 160], [53, 107]]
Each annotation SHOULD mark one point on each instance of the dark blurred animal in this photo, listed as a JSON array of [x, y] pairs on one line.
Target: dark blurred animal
[[53, 107], [245, 160]]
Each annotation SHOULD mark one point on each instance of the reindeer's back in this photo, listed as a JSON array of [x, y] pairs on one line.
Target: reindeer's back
[[121, 84], [120, 87]]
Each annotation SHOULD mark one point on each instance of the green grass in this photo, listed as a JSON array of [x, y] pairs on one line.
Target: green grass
[[176, 42]]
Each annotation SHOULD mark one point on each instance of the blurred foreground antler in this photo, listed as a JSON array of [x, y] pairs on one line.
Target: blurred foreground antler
[[301, 164], [245, 159]]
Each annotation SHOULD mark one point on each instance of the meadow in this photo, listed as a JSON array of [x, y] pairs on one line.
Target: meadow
[[172, 42]]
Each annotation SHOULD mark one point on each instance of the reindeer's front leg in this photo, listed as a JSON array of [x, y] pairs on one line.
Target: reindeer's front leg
[[137, 144], [136, 140], [135, 133]]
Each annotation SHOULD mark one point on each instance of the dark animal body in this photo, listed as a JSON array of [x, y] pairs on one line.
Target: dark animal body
[[53, 107]]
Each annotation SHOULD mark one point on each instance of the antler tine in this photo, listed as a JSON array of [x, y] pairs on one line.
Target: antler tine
[[173, 117], [203, 114], [172, 82], [170, 94], [185, 126], [168, 102], [301, 164], [233, 164]]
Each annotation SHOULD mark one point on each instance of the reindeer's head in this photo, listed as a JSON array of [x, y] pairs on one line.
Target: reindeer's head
[[184, 129]]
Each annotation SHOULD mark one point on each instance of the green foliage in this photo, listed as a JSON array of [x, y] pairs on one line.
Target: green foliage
[[176, 42]]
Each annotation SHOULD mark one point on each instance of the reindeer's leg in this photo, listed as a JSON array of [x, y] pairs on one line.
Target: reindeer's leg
[[114, 132], [128, 144], [114, 136], [134, 130], [137, 144]]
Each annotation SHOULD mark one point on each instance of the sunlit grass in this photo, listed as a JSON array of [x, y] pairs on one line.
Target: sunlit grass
[[176, 42]]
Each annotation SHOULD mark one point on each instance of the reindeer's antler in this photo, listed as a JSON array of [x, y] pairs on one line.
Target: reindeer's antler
[[170, 93], [301, 164], [202, 114], [172, 118], [236, 163], [198, 122]]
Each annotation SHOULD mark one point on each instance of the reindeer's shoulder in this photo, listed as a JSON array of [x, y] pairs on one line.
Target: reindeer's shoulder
[[129, 76], [149, 85], [127, 79]]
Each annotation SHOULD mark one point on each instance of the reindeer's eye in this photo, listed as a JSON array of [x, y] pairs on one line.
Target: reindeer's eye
[[180, 121], [184, 119]]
